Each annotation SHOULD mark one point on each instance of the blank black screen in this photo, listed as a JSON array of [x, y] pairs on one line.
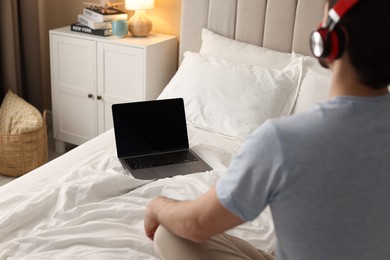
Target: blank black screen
[[149, 126]]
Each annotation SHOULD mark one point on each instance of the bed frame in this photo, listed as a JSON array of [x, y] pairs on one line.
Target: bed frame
[[282, 25]]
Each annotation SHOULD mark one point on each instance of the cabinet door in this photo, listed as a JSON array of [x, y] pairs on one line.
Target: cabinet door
[[73, 88], [121, 71]]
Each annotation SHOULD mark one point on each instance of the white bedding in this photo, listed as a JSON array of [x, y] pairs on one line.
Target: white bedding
[[83, 205]]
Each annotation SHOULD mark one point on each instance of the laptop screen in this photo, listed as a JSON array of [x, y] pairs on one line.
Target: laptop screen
[[149, 126]]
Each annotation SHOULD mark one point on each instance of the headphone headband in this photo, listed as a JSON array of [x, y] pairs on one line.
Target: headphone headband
[[340, 8], [338, 11], [323, 39]]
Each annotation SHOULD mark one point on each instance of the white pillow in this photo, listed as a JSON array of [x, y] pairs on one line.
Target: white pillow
[[315, 84], [225, 48], [231, 98]]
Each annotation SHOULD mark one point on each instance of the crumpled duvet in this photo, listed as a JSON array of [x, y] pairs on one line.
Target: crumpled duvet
[[96, 212]]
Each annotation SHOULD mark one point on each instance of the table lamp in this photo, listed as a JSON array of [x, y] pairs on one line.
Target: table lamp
[[139, 24]]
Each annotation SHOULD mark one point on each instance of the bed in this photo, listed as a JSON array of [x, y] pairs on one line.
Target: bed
[[83, 205]]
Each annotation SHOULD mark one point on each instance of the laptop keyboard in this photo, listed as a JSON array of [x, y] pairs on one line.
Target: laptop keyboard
[[162, 159]]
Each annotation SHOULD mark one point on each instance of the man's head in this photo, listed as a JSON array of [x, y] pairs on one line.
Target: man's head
[[363, 33]]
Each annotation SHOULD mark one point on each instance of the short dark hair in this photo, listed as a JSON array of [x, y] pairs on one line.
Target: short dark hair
[[368, 40]]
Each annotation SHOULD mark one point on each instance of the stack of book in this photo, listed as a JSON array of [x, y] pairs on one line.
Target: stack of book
[[97, 20]]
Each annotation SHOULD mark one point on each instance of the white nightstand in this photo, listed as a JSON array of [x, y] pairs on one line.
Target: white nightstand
[[90, 73]]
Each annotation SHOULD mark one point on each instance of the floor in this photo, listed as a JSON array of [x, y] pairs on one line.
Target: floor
[[51, 152]]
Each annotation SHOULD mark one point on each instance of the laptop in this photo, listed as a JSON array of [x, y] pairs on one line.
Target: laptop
[[151, 139]]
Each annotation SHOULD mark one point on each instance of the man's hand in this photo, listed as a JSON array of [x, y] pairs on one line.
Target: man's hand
[[195, 220], [151, 223]]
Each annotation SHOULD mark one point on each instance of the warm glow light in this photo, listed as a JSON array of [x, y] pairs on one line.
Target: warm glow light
[[139, 4]]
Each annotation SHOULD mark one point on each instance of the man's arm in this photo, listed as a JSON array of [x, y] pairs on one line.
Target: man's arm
[[195, 220]]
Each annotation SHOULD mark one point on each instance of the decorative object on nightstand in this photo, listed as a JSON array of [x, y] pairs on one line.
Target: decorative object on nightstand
[[119, 28], [139, 24]]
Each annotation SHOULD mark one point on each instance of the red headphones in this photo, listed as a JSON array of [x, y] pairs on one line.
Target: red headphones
[[328, 41]]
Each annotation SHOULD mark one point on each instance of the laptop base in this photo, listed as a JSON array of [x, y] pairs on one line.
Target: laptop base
[[168, 170]]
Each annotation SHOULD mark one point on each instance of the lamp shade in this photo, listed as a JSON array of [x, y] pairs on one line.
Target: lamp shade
[[139, 4]]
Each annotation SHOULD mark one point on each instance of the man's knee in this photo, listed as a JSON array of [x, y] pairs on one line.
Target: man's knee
[[170, 246], [164, 243], [161, 235]]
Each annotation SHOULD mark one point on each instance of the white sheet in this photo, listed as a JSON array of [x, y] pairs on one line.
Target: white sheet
[[83, 205]]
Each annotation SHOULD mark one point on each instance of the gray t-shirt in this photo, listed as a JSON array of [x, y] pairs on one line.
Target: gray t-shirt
[[326, 176]]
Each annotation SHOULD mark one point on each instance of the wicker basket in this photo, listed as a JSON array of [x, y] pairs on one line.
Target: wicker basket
[[21, 153]]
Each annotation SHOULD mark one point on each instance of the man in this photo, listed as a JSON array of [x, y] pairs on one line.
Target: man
[[325, 173]]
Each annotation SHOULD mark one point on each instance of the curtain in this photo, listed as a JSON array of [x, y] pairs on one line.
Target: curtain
[[2, 88], [1, 76], [20, 59]]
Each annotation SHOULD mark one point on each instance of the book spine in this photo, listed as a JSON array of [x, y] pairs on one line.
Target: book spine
[[118, 17], [76, 27], [93, 24], [103, 18], [91, 14]]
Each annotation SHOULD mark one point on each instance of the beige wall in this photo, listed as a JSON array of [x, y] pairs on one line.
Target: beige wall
[[166, 16], [57, 13]]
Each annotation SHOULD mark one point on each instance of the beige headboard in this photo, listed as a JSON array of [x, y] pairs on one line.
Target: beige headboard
[[283, 25]]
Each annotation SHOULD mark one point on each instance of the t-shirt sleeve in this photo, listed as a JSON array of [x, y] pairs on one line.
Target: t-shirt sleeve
[[255, 175]]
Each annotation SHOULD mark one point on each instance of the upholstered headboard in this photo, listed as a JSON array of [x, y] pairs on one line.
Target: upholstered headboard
[[282, 25]]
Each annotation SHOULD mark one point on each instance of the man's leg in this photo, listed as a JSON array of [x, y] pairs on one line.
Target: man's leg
[[226, 247]]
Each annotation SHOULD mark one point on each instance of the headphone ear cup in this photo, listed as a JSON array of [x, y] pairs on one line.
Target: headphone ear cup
[[318, 42], [335, 43], [326, 35]]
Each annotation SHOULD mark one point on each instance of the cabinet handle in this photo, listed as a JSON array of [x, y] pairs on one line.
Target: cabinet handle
[[99, 97], [90, 95]]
